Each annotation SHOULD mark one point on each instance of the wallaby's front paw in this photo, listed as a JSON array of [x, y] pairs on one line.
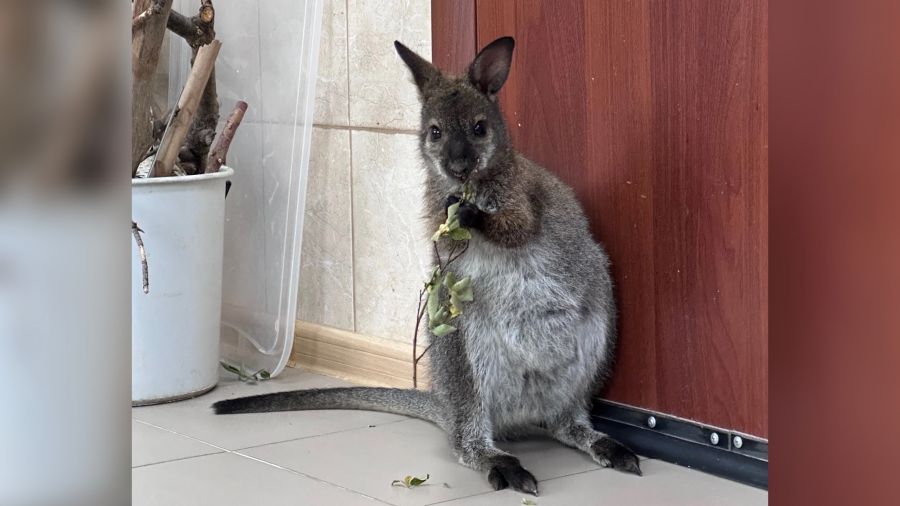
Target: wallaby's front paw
[[487, 201], [508, 472], [452, 199], [610, 453], [470, 216]]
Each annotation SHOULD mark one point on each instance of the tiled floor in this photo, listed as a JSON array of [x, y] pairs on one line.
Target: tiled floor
[[183, 454]]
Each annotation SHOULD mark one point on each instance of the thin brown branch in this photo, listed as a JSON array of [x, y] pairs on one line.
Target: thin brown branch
[[421, 313], [451, 258], [437, 256], [218, 154], [145, 271], [423, 353], [452, 255]]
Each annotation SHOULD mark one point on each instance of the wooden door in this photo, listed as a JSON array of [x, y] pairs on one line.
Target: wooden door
[[656, 114]]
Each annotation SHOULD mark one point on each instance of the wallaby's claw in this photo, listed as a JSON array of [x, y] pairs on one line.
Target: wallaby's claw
[[508, 472], [610, 453]]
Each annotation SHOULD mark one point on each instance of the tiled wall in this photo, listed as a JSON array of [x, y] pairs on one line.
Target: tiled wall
[[365, 252]]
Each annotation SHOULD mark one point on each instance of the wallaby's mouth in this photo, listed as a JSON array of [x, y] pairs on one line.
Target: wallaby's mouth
[[458, 170], [461, 170]]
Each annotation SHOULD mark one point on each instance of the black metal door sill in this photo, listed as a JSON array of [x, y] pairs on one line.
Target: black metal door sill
[[716, 451]]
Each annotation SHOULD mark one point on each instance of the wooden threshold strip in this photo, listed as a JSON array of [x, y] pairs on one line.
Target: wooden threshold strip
[[355, 357]]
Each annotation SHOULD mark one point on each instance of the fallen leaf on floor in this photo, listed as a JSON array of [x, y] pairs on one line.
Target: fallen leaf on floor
[[244, 375], [410, 481], [528, 502]]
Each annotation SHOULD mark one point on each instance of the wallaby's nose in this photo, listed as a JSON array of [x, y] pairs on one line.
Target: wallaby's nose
[[459, 162], [456, 149]]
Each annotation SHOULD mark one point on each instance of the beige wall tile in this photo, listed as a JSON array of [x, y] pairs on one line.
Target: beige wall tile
[[326, 262], [381, 90], [391, 250], [331, 85]]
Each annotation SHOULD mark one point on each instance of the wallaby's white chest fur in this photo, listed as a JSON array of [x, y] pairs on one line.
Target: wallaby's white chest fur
[[532, 350]]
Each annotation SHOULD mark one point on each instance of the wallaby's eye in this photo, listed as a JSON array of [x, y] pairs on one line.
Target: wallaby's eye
[[435, 133], [478, 129]]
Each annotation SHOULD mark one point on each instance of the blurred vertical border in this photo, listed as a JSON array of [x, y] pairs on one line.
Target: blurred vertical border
[[65, 312], [834, 252]]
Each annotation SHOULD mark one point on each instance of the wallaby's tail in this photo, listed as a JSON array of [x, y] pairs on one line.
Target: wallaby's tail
[[390, 400]]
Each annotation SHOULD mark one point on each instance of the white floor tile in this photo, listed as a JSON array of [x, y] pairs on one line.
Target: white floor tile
[[150, 445], [194, 417], [351, 457], [227, 479], [369, 459], [663, 484]]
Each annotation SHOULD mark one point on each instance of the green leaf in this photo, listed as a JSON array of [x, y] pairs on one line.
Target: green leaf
[[410, 481], [462, 284], [468, 192], [230, 368], [455, 304], [415, 482], [432, 278], [460, 234], [455, 311], [443, 229], [449, 279], [443, 329], [434, 302], [528, 502], [263, 375], [240, 372], [465, 295], [451, 211]]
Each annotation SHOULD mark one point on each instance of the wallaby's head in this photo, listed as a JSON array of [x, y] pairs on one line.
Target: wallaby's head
[[462, 129]]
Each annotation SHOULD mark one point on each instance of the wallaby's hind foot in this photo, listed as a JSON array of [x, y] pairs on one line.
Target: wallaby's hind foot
[[574, 430], [506, 471], [610, 453]]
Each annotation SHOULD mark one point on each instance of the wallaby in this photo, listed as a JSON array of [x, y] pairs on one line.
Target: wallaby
[[538, 339]]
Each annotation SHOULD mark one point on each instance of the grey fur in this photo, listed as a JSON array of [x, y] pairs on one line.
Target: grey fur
[[538, 339]]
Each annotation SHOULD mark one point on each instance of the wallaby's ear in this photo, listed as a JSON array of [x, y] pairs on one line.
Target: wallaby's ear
[[424, 73], [490, 68]]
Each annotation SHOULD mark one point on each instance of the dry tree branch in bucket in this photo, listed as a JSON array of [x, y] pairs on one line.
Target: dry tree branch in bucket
[[145, 270], [198, 31], [218, 154], [146, 42], [184, 112], [155, 9]]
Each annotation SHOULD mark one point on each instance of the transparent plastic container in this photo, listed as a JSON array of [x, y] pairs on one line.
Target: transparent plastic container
[[269, 59]]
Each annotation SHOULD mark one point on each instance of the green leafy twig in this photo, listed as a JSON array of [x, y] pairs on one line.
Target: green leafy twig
[[410, 481], [244, 375], [442, 297]]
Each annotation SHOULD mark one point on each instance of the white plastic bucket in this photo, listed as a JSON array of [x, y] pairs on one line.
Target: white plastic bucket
[[175, 327]]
